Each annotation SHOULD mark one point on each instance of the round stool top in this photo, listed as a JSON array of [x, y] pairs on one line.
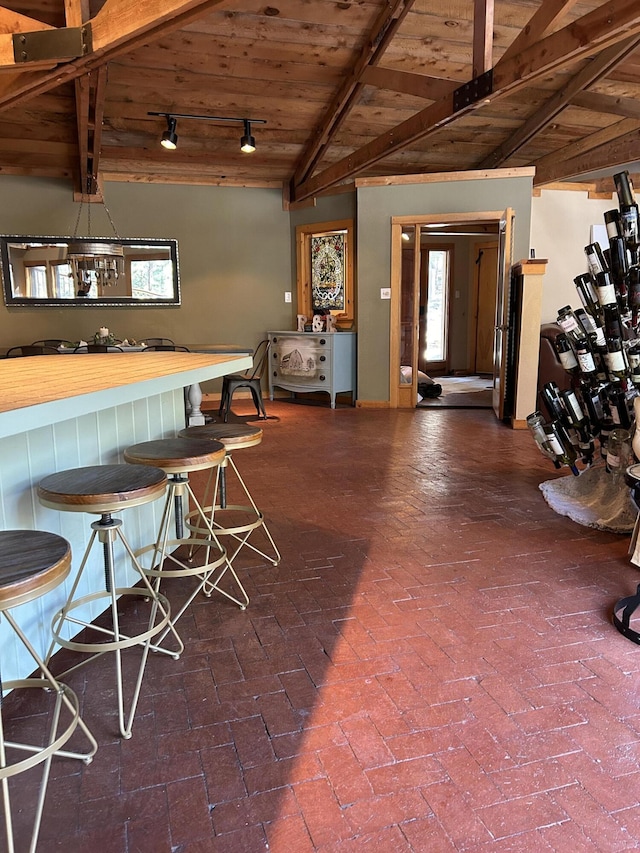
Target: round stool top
[[233, 436], [31, 563], [177, 455], [632, 475], [102, 488]]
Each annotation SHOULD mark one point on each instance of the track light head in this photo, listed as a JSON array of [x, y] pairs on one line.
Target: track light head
[[170, 137], [247, 143]]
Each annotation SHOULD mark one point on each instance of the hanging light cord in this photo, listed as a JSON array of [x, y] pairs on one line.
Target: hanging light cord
[[104, 204]]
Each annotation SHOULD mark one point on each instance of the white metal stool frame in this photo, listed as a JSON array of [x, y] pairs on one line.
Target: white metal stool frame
[[177, 458], [25, 590], [106, 531], [215, 501]]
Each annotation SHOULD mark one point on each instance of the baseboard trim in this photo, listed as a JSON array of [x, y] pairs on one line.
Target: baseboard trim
[[373, 404]]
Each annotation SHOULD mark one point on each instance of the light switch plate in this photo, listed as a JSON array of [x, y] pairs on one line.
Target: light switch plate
[[287, 296]]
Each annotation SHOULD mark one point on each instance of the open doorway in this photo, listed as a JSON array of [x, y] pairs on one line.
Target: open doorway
[[447, 300]]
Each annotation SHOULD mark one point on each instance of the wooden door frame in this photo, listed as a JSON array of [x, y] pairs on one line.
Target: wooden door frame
[[424, 279], [472, 343], [405, 397]]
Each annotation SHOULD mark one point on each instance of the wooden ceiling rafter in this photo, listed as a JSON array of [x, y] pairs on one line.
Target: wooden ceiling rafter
[[120, 26], [616, 152], [482, 36], [377, 41], [552, 163], [593, 71], [594, 32], [627, 107], [547, 17]]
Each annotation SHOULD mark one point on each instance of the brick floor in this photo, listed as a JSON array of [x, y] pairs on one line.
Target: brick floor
[[432, 666]]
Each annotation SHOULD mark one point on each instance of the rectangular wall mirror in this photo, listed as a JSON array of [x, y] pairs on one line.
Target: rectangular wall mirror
[[89, 271]]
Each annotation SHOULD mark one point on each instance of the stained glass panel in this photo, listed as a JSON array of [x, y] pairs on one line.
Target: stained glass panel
[[328, 272]]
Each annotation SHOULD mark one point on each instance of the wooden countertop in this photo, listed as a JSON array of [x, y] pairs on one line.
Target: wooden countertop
[[39, 390]]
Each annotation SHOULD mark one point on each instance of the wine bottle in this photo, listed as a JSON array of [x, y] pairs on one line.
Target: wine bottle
[[536, 423], [592, 401], [618, 451], [561, 445], [566, 354], [616, 359], [624, 188], [591, 325], [550, 394], [586, 361], [629, 220], [605, 289], [587, 293], [612, 223], [633, 355], [619, 267], [612, 321], [633, 289], [605, 431], [595, 259], [580, 423], [616, 399]]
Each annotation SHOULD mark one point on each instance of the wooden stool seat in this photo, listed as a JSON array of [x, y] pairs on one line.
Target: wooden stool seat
[[236, 520], [103, 490], [32, 563], [232, 436], [178, 457]]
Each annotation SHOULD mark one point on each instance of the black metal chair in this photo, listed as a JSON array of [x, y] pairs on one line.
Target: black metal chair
[[166, 348], [251, 379], [152, 342], [31, 349], [53, 342]]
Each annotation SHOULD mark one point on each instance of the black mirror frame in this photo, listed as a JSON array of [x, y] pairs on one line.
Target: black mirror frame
[[101, 302]]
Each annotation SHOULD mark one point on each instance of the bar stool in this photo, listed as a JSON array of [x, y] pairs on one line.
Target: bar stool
[[178, 457], [103, 490], [32, 563], [238, 521]]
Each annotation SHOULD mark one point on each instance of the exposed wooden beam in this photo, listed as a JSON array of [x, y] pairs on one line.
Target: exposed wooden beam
[[594, 70], [13, 22], [615, 21], [616, 153], [587, 143], [120, 26], [375, 44], [628, 107], [418, 85], [546, 18], [482, 36]]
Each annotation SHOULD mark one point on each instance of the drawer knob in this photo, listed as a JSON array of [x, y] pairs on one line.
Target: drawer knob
[[322, 341], [323, 358], [322, 378]]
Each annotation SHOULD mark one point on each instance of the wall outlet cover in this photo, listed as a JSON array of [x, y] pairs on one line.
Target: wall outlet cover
[[385, 293]]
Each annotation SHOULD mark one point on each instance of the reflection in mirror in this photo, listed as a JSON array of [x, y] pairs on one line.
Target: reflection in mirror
[[71, 271]]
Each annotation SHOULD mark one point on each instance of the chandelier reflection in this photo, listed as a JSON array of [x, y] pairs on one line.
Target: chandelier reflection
[[96, 264]]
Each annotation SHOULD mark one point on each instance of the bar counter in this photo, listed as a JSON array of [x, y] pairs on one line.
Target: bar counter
[[58, 413]]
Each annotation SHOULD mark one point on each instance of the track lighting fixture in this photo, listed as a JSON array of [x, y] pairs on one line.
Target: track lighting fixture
[[170, 137], [247, 143]]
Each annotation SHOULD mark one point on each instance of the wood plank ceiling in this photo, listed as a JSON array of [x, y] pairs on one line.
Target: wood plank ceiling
[[346, 88]]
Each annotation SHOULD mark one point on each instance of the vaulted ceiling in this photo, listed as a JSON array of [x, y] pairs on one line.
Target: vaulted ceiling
[[345, 88]]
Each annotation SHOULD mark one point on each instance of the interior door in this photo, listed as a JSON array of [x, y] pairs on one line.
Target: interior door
[[486, 266], [505, 250]]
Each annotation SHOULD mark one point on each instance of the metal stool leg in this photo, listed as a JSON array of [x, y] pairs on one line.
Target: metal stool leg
[[162, 557], [107, 530], [64, 696]]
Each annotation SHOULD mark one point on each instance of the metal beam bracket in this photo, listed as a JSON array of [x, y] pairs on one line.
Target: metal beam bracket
[[474, 91], [60, 44]]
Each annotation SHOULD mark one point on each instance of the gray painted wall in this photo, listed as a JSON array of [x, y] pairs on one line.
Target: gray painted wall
[[375, 207], [235, 260], [237, 256]]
